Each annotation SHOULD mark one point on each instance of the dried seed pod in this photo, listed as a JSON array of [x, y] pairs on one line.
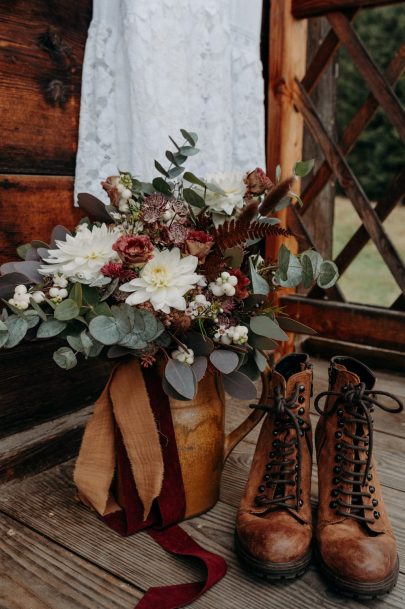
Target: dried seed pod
[[275, 195]]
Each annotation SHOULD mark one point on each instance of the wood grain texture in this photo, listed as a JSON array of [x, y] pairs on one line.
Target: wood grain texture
[[34, 389], [30, 206], [38, 574], [42, 446], [373, 326], [41, 54], [314, 8]]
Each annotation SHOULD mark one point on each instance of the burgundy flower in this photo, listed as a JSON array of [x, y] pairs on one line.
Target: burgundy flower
[[199, 243], [116, 270], [175, 233], [241, 290], [257, 182], [133, 250]]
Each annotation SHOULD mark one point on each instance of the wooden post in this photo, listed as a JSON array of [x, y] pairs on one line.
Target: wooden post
[[287, 54], [287, 61]]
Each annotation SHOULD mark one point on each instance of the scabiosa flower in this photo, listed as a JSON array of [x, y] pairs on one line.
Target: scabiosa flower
[[153, 208], [164, 280], [175, 234], [134, 249], [81, 256]]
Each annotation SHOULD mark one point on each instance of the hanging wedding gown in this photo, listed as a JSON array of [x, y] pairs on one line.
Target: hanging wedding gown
[[152, 67]]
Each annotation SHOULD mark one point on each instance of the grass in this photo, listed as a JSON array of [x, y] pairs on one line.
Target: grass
[[368, 279]]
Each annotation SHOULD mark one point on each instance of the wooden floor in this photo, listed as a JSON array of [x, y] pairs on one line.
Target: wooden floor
[[55, 554]]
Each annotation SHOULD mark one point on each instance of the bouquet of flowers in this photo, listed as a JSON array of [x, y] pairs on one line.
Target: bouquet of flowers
[[171, 269]]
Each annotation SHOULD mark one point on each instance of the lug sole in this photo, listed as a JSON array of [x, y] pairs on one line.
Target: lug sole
[[273, 572], [358, 590]]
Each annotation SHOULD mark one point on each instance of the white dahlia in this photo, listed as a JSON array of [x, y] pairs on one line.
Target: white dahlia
[[232, 186], [81, 257], [163, 281]]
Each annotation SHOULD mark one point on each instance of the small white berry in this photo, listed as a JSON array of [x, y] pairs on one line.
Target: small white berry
[[54, 292], [38, 297], [20, 290], [63, 293]]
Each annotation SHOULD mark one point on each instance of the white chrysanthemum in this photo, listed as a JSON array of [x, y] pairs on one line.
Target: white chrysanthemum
[[163, 281], [234, 188], [81, 257]]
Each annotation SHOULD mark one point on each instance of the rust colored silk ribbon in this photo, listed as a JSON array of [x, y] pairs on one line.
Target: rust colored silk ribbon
[[124, 510]]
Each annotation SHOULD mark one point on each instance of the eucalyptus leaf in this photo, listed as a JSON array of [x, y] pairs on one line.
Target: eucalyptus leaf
[[76, 294], [303, 168], [262, 342], [193, 198], [94, 207], [190, 177], [307, 271], [59, 233], [250, 369], [3, 336], [316, 261], [283, 261], [65, 358], [23, 249], [90, 295], [75, 343], [188, 150], [9, 281], [50, 328], [238, 385], [294, 273], [292, 325], [86, 342], [182, 378], [259, 284], [199, 367], [105, 329], [118, 351], [66, 310], [28, 268], [171, 392], [224, 361], [199, 344], [264, 326], [111, 287], [174, 172], [161, 169], [189, 136], [17, 328], [162, 186], [261, 360], [32, 319], [328, 274]]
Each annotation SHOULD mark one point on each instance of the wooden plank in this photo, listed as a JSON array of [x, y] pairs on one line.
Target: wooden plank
[[392, 197], [42, 446], [41, 54], [353, 130], [39, 574], [30, 206], [351, 185], [53, 513], [361, 324], [313, 8], [374, 79], [34, 389]]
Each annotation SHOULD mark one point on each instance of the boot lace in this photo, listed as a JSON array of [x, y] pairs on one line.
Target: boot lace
[[358, 402], [282, 456]]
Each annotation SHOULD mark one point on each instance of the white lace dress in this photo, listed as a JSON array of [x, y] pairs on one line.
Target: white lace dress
[[152, 67]]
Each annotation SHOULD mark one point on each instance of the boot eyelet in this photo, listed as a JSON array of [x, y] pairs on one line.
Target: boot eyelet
[[261, 488], [345, 388], [335, 481], [337, 469], [275, 432], [301, 388], [366, 442], [266, 477], [338, 434], [375, 502], [371, 489], [340, 412], [301, 503], [338, 458], [333, 505], [269, 466], [301, 399], [276, 443], [296, 467], [376, 515], [338, 446], [341, 423], [301, 410], [335, 492], [369, 476]]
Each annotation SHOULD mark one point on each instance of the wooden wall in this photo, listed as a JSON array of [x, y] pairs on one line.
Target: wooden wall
[[41, 55]]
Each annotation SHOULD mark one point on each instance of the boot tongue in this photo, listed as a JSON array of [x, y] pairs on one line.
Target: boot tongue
[[291, 364], [350, 364]]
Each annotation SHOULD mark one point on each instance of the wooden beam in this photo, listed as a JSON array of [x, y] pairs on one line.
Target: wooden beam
[[285, 124], [353, 130], [393, 195], [351, 185], [314, 8], [361, 324], [374, 79]]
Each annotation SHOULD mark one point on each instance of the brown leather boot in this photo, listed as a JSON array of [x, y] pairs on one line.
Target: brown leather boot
[[274, 523], [356, 545]]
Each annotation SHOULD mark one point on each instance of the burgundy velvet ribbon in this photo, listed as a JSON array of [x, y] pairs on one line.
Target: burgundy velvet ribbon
[[168, 509]]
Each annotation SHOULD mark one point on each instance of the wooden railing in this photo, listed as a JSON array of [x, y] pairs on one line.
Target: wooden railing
[[290, 89]]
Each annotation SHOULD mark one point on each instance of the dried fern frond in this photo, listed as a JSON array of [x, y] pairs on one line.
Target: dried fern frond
[[235, 232], [275, 195], [249, 213]]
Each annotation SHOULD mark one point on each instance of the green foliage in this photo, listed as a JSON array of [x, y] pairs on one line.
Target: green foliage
[[378, 155]]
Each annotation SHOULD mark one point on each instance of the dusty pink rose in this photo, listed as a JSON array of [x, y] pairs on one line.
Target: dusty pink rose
[[257, 182], [110, 186], [116, 270], [199, 243], [133, 250]]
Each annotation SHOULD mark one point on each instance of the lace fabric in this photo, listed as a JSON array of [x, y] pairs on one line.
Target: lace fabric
[[154, 66]]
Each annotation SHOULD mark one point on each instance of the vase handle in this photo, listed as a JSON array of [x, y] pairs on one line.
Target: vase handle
[[235, 436]]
